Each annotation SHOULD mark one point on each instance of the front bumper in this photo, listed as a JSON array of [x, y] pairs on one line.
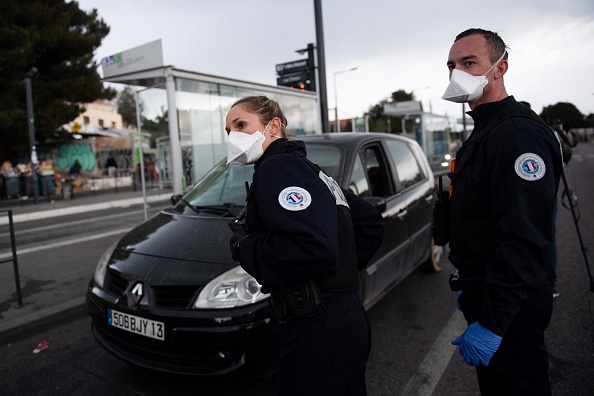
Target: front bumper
[[237, 343]]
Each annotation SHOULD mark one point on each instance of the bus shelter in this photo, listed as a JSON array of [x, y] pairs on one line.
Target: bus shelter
[[195, 105]]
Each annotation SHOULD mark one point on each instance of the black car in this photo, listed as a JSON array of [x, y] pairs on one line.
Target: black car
[[167, 295]]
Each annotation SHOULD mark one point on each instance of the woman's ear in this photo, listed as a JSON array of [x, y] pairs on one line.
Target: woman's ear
[[275, 126]]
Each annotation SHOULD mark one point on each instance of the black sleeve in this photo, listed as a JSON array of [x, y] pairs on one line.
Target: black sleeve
[[369, 227], [294, 245], [523, 200]]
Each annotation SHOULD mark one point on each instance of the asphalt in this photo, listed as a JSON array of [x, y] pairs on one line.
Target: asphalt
[[50, 308]]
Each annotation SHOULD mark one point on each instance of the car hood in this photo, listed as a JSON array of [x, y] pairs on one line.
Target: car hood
[[181, 237]]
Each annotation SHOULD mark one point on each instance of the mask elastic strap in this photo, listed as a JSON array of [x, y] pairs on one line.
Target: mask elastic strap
[[268, 133], [495, 64]]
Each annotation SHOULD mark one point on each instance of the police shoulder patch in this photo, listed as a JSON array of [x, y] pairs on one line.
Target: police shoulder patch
[[530, 166], [294, 198]]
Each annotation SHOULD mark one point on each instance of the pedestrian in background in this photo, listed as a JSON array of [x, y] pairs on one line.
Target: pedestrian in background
[[111, 166], [304, 240], [503, 190]]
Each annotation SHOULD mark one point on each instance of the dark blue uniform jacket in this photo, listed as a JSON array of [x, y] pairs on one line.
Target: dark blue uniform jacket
[[520, 212], [289, 247]]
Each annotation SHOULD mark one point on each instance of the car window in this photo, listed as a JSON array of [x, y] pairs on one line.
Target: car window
[[224, 184], [376, 171], [326, 157], [407, 167], [358, 183], [370, 176]]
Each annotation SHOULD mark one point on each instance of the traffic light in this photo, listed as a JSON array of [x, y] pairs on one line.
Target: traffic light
[[299, 74]]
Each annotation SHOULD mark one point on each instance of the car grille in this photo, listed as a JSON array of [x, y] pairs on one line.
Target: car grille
[[164, 297], [175, 297], [115, 284]]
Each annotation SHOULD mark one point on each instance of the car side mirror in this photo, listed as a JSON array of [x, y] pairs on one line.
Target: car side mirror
[[175, 199], [378, 202]]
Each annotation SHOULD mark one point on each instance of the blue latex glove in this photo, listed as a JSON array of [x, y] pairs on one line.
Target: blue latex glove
[[477, 345], [458, 300]]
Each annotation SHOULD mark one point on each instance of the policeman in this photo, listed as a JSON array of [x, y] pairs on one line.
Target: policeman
[[503, 189], [304, 240]]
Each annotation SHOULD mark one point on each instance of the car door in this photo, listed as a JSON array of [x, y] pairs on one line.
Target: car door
[[372, 178], [417, 192]]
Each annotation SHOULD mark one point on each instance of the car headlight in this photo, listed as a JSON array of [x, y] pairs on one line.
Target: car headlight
[[233, 288], [101, 268]]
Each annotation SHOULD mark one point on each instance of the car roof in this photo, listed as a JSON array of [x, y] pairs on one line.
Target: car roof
[[349, 138]]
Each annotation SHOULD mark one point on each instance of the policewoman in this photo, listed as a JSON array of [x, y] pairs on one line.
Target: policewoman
[[504, 184], [304, 240]]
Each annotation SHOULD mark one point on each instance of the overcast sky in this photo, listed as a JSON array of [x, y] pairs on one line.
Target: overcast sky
[[394, 44]]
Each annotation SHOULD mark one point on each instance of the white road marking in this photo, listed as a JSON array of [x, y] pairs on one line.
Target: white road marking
[[437, 359], [64, 243]]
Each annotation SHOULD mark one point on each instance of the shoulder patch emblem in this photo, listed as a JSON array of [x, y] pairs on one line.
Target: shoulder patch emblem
[[530, 166], [294, 198]]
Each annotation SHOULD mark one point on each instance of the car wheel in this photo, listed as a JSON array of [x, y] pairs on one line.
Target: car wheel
[[432, 263]]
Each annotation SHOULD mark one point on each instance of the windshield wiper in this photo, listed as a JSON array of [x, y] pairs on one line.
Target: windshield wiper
[[226, 209], [189, 205]]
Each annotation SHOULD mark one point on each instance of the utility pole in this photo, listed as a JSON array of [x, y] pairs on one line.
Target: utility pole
[[321, 66], [28, 90]]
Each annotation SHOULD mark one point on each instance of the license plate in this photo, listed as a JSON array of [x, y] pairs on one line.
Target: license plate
[[136, 324]]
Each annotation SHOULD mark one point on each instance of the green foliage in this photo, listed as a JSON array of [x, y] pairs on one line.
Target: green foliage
[[58, 39], [566, 112], [378, 122], [127, 106], [157, 127]]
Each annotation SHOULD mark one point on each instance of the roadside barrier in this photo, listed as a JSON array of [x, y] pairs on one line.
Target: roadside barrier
[[14, 255]]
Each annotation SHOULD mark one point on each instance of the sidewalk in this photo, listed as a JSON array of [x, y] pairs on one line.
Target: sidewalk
[[16, 322]]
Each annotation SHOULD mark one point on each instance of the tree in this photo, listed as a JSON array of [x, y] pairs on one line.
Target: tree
[[158, 127], [378, 122], [566, 112], [58, 39], [127, 106]]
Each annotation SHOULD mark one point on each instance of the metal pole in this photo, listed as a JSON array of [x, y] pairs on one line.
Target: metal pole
[[337, 121], [321, 65], [141, 155], [28, 76], [573, 207], [15, 263]]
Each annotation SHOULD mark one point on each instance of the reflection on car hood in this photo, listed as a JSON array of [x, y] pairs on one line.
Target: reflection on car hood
[[181, 237]]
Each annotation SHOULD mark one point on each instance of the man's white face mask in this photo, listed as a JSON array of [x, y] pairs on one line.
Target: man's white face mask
[[464, 87], [244, 148]]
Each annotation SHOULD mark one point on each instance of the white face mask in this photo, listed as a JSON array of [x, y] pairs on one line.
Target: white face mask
[[244, 148], [464, 87]]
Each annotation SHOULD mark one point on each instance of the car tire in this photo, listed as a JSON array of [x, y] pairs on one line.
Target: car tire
[[435, 256]]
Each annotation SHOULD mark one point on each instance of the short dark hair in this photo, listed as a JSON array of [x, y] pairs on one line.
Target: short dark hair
[[494, 42]]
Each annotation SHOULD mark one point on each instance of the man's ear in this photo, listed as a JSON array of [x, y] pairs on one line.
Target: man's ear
[[501, 68]]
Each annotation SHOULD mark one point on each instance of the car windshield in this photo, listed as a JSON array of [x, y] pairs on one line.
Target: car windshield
[[224, 185]]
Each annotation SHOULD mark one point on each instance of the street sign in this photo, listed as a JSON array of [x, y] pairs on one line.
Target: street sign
[[292, 67], [290, 79], [403, 108]]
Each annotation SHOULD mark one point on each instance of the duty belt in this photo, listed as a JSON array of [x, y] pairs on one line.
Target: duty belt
[[458, 283]]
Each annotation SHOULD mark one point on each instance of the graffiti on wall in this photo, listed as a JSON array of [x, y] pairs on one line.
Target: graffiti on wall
[[72, 152], [122, 156]]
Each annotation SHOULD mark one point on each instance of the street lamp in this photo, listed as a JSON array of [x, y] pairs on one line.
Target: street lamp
[[28, 90], [336, 98]]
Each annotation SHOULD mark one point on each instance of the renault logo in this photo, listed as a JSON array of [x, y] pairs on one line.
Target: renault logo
[[137, 293]]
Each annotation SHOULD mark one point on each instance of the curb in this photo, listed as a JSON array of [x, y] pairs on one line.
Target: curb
[[45, 214], [26, 325]]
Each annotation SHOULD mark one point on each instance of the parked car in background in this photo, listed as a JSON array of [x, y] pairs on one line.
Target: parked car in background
[[168, 297]]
